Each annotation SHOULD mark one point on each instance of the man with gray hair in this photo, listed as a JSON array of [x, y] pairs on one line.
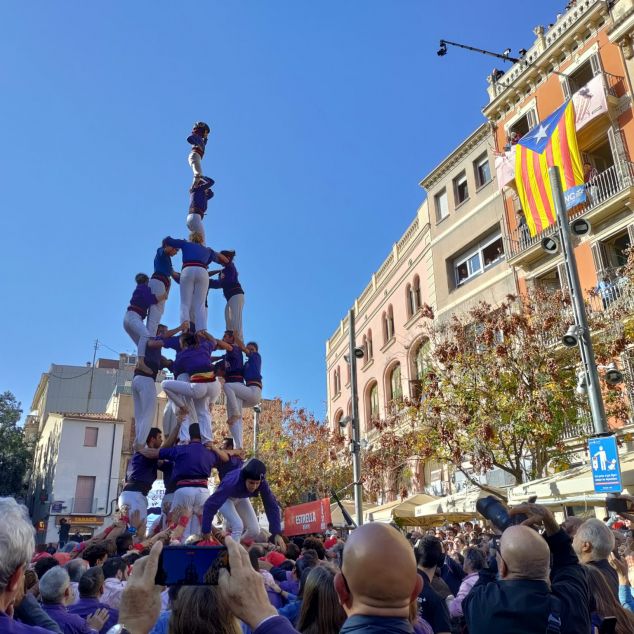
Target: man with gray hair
[[593, 542], [16, 549], [75, 569], [56, 593]]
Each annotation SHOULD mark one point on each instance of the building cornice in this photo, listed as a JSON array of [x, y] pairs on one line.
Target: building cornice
[[449, 162], [542, 58]]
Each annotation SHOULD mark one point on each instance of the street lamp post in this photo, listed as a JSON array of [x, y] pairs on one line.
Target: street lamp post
[[581, 321], [256, 422], [355, 443]]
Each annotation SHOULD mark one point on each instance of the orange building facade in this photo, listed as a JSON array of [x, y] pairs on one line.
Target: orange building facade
[[575, 58]]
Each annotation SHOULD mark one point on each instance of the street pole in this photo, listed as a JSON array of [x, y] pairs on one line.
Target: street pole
[[578, 307], [356, 431], [256, 422]]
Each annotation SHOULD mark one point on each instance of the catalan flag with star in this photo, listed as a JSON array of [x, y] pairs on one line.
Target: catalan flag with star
[[552, 143]]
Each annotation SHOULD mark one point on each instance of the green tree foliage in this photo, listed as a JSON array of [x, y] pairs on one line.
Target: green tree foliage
[[15, 453]]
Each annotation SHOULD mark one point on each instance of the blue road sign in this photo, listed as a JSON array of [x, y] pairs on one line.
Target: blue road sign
[[606, 469]]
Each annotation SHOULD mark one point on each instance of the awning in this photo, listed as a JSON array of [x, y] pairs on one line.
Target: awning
[[571, 487], [336, 515], [400, 511], [463, 502]]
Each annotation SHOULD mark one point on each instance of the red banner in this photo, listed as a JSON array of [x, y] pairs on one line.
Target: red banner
[[311, 517]]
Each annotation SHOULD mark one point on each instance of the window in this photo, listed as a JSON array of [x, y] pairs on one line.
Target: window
[[337, 427], [579, 77], [388, 324], [486, 254], [336, 381], [84, 494], [408, 299], [90, 436], [372, 404], [420, 369], [460, 188], [442, 208], [396, 387], [416, 303], [521, 127], [347, 374], [482, 170], [369, 350]]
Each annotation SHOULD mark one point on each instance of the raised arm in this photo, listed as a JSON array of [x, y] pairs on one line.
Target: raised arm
[[174, 242], [240, 344], [221, 453], [223, 345], [172, 439], [174, 331], [151, 454]]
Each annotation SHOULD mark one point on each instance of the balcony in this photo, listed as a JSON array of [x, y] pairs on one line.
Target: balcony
[[580, 428], [614, 295], [606, 194]]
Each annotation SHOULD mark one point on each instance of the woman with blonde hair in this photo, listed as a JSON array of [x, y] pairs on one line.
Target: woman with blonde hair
[[321, 612], [202, 610], [194, 279]]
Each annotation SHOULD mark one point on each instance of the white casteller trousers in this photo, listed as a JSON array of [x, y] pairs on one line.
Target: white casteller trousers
[[196, 397], [191, 500], [194, 284], [195, 223], [134, 326], [156, 310], [239, 514], [233, 314], [144, 399], [239, 396]]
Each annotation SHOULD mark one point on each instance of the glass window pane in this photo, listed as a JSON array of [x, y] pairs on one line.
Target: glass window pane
[[474, 263]]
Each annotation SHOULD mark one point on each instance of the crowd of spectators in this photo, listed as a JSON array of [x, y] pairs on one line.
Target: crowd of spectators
[[460, 578]]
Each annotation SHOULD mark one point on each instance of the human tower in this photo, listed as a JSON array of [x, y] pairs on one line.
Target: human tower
[[203, 366]]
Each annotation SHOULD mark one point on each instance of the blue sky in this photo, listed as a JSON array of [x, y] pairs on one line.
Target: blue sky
[[325, 116]]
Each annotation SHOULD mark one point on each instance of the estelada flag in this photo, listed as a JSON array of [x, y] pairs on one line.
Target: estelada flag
[[552, 143]]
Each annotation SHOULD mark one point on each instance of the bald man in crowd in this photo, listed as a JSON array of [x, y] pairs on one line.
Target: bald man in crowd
[[378, 580], [523, 600]]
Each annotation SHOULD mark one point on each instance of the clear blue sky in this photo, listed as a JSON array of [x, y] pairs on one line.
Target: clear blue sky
[[325, 116]]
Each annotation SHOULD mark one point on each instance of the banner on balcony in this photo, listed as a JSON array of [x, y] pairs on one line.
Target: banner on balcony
[[552, 143], [590, 101], [311, 517]]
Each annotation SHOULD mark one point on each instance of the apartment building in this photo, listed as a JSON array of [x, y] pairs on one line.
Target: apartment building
[[76, 471], [575, 58], [467, 228]]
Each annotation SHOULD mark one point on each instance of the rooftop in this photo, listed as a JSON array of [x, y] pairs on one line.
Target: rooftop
[[90, 416]]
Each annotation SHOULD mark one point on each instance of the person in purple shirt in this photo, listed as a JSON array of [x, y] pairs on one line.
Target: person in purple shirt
[[200, 194], [247, 394], [160, 283], [194, 280], [57, 593], [198, 140], [233, 292], [133, 321], [193, 464], [17, 537], [230, 458], [91, 587], [201, 389], [140, 476], [144, 386], [231, 498]]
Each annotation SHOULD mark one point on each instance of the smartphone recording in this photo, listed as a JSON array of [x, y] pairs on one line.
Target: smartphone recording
[[191, 565]]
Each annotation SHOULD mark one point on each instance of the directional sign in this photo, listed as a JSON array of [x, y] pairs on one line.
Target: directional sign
[[606, 469]]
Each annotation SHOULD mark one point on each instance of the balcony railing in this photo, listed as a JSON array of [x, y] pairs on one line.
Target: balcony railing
[[614, 85], [613, 294], [600, 190], [579, 428]]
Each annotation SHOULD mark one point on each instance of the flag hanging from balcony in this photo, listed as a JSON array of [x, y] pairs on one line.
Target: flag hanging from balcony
[[553, 142]]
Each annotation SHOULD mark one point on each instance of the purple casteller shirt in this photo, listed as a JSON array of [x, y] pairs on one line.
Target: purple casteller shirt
[[140, 474], [253, 369], [223, 468], [234, 365], [199, 197], [191, 462], [11, 626], [195, 359], [141, 300], [227, 281], [233, 486], [193, 253], [86, 607], [68, 622]]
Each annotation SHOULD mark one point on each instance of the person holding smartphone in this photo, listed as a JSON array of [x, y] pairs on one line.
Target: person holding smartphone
[[233, 495]]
